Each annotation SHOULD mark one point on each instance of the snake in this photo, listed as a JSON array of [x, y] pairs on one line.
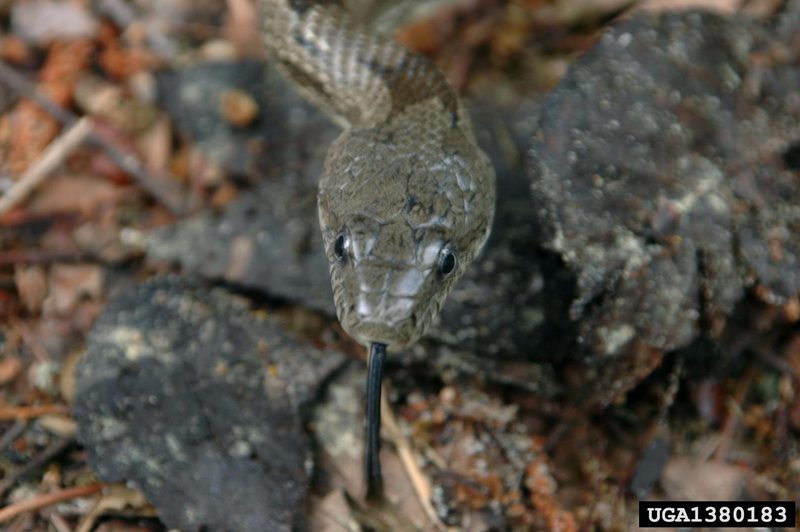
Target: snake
[[406, 196]]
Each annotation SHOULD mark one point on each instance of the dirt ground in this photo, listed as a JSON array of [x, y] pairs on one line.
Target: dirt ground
[[97, 168]]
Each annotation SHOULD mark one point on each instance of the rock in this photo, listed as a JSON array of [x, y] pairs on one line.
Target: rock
[[40, 22], [286, 140], [513, 302], [654, 457], [259, 242], [270, 239], [195, 399], [659, 177]]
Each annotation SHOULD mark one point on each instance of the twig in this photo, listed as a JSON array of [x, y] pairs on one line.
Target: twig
[[418, 480], [776, 362], [13, 433], [162, 187], [7, 412], [124, 16], [733, 415], [56, 152], [46, 256], [31, 341], [5, 181], [58, 522], [668, 397], [41, 501], [52, 450]]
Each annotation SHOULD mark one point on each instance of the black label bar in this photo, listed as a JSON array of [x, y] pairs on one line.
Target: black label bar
[[717, 513]]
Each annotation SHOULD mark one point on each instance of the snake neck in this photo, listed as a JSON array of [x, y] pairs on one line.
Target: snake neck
[[359, 78]]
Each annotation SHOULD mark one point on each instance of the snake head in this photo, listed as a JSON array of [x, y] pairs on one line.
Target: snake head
[[400, 226]]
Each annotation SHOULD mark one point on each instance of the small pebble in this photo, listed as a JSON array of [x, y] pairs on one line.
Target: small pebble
[[238, 107]]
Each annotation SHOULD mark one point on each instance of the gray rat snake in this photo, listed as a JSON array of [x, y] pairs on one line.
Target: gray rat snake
[[406, 197]]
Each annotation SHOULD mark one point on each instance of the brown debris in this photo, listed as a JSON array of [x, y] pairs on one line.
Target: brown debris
[[121, 63], [161, 186], [43, 21], [108, 103], [71, 283], [115, 499], [68, 193], [10, 368], [14, 50], [238, 107], [691, 479], [543, 489], [30, 412], [33, 127], [31, 284], [41, 501], [40, 169]]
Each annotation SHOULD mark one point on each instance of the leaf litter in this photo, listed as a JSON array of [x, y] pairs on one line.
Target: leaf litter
[[502, 440]]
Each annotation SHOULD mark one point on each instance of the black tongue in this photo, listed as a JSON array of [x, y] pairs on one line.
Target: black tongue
[[372, 462]]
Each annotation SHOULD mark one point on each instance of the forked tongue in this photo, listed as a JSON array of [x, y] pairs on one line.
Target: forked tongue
[[372, 463]]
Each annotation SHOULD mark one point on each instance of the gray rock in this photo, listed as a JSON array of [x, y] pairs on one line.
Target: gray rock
[[513, 302], [659, 176], [287, 140], [270, 239], [196, 399]]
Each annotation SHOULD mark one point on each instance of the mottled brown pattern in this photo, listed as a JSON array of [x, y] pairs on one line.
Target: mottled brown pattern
[[414, 81]]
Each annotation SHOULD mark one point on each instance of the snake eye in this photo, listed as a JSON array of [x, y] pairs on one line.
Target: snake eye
[[447, 264], [340, 246]]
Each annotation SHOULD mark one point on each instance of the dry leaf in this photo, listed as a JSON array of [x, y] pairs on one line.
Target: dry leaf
[[66, 378], [31, 282], [333, 514], [115, 499], [690, 479], [10, 367], [69, 283], [62, 426], [81, 194], [719, 6]]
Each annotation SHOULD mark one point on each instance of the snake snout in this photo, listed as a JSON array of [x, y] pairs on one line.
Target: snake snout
[[384, 305]]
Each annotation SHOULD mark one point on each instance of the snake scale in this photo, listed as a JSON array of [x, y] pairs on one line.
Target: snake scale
[[406, 197]]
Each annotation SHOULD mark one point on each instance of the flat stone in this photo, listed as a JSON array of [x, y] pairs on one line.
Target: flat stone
[[285, 142], [196, 399], [263, 241], [270, 239]]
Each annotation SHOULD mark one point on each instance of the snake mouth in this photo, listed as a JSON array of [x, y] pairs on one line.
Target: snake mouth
[[380, 316], [395, 335]]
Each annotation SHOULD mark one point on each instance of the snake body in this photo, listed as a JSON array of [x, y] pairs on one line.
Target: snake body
[[406, 197]]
